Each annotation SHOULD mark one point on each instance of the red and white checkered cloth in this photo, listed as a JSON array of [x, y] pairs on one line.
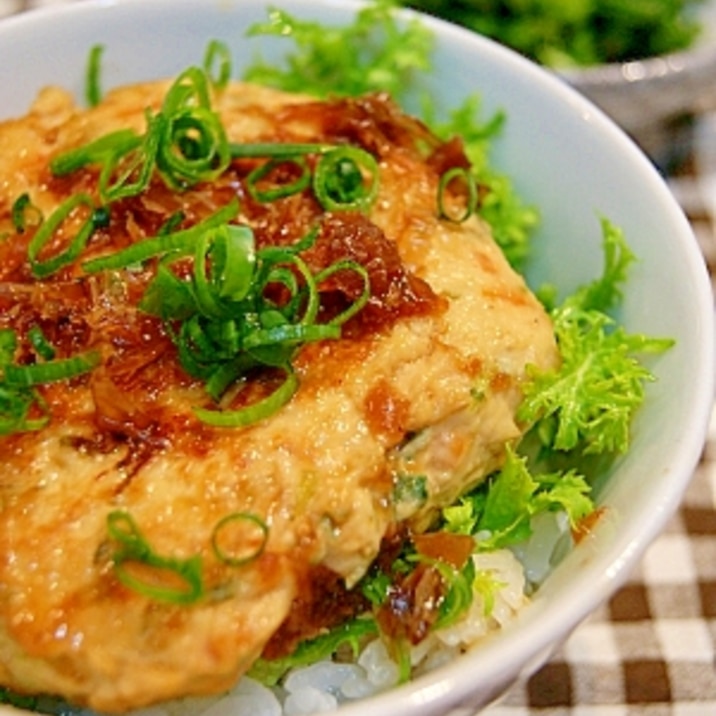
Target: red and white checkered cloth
[[651, 651]]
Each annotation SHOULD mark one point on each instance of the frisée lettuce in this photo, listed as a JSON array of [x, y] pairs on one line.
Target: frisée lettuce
[[581, 409], [378, 53], [579, 415]]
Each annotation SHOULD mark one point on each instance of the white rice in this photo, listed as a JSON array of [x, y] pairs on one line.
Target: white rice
[[322, 687]]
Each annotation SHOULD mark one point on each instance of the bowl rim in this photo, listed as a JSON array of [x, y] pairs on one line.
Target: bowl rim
[[659, 68], [699, 57]]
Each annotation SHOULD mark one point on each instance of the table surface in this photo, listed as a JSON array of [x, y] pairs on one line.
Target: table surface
[[651, 650]]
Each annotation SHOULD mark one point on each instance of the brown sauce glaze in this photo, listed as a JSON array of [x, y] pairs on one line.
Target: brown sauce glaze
[[78, 312]]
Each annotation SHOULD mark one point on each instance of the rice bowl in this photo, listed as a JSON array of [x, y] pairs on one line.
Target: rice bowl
[[552, 135]]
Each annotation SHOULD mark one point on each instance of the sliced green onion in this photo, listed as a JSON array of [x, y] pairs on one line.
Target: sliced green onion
[[212, 351], [185, 141], [208, 303], [17, 402], [8, 345], [250, 528], [193, 148], [285, 275], [196, 352], [93, 87], [101, 217], [182, 242], [217, 63], [233, 261], [254, 412], [346, 178], [228, 373], [39, 342], [16, 405], [227, 336], [361, 301], [133, 548], [278, 191], [276, 269], [17, 212], [167, 296], [189, 89], [114, 143], [457, 174], [193, 145], [25, 376], [171, 224], [18, 397], [43, 268], [291, 334], [401, 654], [224, 322], [24, 212], [127, 168], [276, 150]]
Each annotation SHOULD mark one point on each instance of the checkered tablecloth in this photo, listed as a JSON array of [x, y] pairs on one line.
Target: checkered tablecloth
[[651, 650]]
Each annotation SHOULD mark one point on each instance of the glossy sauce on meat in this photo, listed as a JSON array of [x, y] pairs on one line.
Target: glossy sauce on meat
[[447, 320]]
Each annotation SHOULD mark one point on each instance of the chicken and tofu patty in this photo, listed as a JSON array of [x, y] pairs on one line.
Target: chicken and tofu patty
[[120, 483]]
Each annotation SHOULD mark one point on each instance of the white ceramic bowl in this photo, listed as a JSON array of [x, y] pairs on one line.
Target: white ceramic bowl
[[566, 158], [645, 96]]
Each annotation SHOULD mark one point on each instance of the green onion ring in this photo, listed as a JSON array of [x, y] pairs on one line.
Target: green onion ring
[[196, 338], [228, 373], [291, 334], [193, 148], [42, 269], [119, 142], [339, 182], [193, 145], [361, 301], [21, 208], [189, 357], [276, 150], [93, 87], [39, 342], [279, 191], [189, 89], [256, 411], [206, 303], [128, 160], [133, 547], [15, 405], [182, 241], [276, 274], [255, 521], [217, 57], [234, 261], [167, 296], [284, 276], [59, 369], [445, 179]]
